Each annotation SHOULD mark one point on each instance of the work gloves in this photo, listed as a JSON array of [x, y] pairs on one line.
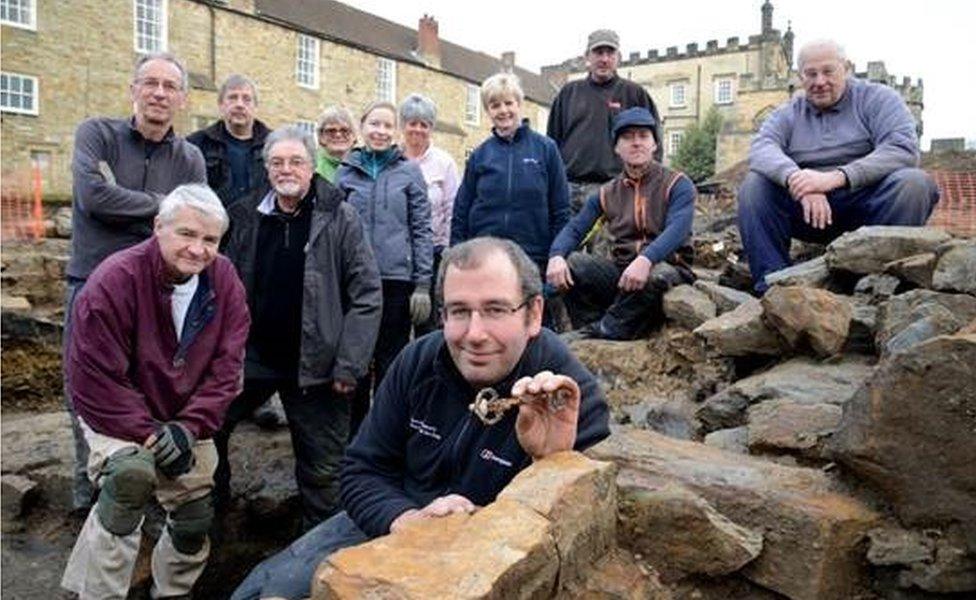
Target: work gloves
[[173, 449], [420, 305]]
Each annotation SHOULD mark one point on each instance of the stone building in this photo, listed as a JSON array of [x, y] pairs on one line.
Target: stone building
[[744, 81], [66, 61]]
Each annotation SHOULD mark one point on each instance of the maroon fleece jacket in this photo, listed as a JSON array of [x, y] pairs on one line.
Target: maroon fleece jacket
[[126, 371]]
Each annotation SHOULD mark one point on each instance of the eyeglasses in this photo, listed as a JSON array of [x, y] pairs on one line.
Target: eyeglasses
[[457, 314], [169, 86], [336, 131], [295, 162]]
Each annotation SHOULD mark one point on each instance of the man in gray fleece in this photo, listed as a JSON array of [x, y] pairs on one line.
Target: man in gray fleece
[[121, 170], [841, 155]]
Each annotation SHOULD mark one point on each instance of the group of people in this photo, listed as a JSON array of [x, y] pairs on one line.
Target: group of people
[[209, 273]]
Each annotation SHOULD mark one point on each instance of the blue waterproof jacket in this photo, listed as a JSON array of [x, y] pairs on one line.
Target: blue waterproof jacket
[[395, 214], [420, 441], [514, 189]]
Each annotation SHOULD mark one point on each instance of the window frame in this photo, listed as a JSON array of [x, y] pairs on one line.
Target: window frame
[[311, 61], [35, 94], [673, 145], [472, 105], [308, 127], [672, 88], [31, 6], [163, 27], [718, 87], [386, 74]]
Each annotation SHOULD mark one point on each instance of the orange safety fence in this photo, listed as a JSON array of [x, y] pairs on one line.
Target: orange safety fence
[[21, 210], [956, 210]]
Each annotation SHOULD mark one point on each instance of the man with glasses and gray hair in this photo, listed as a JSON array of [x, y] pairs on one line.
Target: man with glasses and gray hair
[[313, 287], [493, 343], [121, 169], [153, 359]]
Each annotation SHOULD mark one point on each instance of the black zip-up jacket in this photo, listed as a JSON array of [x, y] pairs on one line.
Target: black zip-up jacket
[[420, 441], [581, 122], [342, 298], [212, 142], [107, 217]]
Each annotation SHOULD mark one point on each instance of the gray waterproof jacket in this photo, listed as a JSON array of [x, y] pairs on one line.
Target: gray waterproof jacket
[[342, 298], [395, 213]]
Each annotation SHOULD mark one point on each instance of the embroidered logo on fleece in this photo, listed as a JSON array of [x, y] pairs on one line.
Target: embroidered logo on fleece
[[424, 429]]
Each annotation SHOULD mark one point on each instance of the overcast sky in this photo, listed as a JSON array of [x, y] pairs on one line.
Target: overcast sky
[[934, 40]]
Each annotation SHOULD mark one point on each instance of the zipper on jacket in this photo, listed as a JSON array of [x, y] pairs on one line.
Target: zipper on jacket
[[511, 165], [145, 169]]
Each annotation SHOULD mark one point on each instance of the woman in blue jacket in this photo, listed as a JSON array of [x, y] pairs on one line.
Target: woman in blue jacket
[[389, 192], [514, 183]]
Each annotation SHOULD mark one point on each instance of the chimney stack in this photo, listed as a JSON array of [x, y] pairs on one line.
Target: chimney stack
[[428, 42], [508, 62]]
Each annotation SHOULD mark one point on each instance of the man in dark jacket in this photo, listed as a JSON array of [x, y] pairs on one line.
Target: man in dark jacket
[[232, 146], [121, 169], [421, 453], [314, 292], [582, 117], [648, 211], [154, 358]]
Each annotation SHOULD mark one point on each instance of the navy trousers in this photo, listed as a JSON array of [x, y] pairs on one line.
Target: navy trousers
[[769, 217]]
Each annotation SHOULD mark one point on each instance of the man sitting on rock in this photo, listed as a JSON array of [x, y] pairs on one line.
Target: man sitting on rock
[[648, 211], [421, 453], [154, 357], [840, 156]]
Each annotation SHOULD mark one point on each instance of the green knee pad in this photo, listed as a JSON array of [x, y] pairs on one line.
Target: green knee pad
[[189, 523], [128, 482]]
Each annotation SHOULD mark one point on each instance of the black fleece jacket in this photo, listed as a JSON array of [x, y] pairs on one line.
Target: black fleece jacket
[[420, 441]]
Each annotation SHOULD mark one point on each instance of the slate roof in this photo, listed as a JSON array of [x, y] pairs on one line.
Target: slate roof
[[346, 25]]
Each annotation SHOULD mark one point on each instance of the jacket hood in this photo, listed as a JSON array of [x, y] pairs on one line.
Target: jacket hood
[[354, 158]]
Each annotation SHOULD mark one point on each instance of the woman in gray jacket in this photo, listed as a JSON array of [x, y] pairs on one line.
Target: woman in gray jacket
[[389, 192]]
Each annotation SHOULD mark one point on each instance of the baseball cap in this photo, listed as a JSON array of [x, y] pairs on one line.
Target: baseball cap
[[637, 116], [603, 37]]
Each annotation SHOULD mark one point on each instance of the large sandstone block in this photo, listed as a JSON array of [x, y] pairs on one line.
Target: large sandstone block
[[811, 273], [870, 249], [811, 533], [910, 432], [679, 533], [618, 576], [808, 317], [579, 498], [801, 380], [784, 426], [502, 551], [741, 332], [936, 313], [956, 269], [687, 306], [547, 529]]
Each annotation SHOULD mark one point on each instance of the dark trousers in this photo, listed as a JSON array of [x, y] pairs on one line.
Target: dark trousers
[[319, 424], [769, 217], [394, 335], [596, 301], [288, 574], [82, 491]]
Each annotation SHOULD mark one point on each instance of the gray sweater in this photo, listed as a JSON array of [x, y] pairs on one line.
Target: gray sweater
[[108, 216], [868, 134]]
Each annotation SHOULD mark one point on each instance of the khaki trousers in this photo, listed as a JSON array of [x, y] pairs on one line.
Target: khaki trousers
[[101, 563]]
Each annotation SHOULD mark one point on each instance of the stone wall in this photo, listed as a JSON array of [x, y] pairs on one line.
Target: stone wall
[[82, 56]]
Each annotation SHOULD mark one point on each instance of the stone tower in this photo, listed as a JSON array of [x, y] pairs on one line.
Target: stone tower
[[767, 18]]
